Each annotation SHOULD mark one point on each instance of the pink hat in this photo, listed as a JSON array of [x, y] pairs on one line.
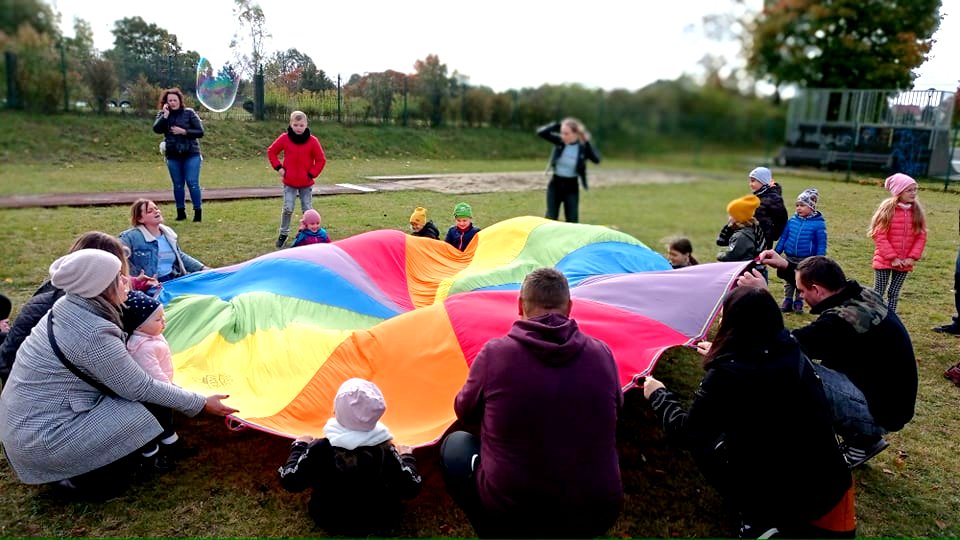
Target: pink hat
[[359, 405], [898, 183], [310, 217]]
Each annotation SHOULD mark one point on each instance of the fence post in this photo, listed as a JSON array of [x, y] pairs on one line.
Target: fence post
[[953, 149], [259, 112], [339, 102], [13, 98], [63, 71], [405, 90]]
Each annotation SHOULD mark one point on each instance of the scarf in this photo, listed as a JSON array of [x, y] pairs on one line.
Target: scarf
[[349, 439]]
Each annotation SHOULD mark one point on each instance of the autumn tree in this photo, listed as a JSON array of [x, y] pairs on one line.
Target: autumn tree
[[252, 33], [101, 79], [433, 85], [842, 43], [142, 47]]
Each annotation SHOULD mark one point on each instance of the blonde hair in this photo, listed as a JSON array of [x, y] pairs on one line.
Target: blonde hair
[[575, 125], [296, 116], [880, 222]]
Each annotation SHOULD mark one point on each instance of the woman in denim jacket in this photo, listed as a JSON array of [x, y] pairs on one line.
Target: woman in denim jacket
[[153, 246]]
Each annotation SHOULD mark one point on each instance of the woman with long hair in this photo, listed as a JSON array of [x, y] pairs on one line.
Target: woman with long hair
[[760, 428], [181, 128]]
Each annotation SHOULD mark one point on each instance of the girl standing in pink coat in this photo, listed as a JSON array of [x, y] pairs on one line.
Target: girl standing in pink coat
[[899, 231]]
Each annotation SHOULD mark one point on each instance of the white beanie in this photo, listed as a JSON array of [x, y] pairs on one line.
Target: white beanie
[[359, 405], [85, 272]]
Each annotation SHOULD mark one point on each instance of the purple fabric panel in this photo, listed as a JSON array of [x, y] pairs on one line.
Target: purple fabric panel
[[677, 298], [336, 260]]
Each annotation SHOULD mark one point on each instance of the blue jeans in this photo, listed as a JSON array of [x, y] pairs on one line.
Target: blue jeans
[[851, 415], [186, 170]]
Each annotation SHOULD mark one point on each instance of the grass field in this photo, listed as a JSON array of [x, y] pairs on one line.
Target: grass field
[[230, 489]]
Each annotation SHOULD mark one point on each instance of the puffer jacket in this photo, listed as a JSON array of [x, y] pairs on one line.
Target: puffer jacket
[[772, 214], [804, 236], [900, 241], [189, 144]]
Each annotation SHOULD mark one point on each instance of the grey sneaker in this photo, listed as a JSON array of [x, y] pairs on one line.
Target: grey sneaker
[[857, 456]]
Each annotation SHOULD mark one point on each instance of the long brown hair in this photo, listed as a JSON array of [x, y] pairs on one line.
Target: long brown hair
[[880, 222], [751, 322]]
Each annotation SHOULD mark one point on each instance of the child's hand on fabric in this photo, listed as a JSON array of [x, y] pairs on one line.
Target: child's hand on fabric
[[703, 347]]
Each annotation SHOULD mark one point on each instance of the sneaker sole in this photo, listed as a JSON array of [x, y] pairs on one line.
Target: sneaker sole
[[869, 455]]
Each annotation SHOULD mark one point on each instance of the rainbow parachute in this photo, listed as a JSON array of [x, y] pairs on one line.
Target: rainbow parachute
[[280, 333]]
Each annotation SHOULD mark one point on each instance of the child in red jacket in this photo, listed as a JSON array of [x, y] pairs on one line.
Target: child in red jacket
[[899, 230], [303, 161]]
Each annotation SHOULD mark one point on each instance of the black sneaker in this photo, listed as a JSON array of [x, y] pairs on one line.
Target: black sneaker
[[857, 456], [952, 328], [178, 450], [282, 239]]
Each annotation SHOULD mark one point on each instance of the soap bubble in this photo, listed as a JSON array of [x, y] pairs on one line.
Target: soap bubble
[[216, 89]]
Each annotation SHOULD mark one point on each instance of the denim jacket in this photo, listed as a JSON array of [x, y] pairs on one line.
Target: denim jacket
[[145, 252]]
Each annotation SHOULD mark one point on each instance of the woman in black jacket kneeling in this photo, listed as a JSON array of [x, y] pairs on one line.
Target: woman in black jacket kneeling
[[760, 428]]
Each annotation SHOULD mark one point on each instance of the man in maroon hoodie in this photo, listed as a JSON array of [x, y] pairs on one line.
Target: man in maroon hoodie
[[546, 397]]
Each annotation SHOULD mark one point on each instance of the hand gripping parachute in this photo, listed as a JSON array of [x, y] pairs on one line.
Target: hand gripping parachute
[[280, 333]]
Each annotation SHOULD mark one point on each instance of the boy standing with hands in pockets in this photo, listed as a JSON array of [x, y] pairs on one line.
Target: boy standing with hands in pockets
[[303, 161]]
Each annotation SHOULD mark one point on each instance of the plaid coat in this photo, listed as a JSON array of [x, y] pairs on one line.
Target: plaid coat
[[53, 425]]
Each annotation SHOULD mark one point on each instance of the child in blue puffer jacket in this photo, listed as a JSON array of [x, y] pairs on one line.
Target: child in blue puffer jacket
[[804, 236]]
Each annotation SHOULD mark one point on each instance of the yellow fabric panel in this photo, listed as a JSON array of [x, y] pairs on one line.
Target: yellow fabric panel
[[263, 371], [495, 248]]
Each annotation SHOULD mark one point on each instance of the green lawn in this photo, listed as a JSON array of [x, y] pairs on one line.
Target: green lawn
[[230, 489]]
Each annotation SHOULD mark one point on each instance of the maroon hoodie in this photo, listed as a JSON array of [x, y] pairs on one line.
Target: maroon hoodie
[[546, 396]]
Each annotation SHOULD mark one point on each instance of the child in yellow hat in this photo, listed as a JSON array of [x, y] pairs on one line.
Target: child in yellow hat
[[421, 226], [742, 233]]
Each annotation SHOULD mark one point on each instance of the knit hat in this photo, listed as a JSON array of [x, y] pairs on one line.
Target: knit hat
[[85, 272], [310, 217], [742, 209], [809, 197], [5, 307], [462, 210], [898, 183], [137, 309], [359, 405], [762, 175], [419, 216]]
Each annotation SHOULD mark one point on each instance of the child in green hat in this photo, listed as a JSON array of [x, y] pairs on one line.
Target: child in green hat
[[461, 234]]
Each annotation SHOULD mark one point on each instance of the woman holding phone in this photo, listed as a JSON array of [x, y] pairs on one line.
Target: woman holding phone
[[181, 128]]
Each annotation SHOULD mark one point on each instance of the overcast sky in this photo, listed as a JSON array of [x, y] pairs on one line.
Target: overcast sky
[[502, 44]]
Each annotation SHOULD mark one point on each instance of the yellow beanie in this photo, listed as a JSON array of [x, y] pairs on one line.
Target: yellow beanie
[[419, 216], [742, 209]]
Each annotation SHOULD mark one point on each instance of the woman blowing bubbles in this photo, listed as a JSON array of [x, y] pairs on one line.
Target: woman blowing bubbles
[[72, 410]]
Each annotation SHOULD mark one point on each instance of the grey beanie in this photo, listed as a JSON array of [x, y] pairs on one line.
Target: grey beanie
[[85, 272], [762, 175]]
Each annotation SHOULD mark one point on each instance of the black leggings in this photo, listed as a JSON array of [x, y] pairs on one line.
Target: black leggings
[[566, 191]]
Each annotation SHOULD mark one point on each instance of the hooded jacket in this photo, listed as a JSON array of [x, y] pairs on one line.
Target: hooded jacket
[[857, 335], [772, 214], [547, 398], [899, 241]]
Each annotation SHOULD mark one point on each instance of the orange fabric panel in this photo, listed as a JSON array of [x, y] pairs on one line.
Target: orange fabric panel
[[416, 361], [843, 517], [428, 263]]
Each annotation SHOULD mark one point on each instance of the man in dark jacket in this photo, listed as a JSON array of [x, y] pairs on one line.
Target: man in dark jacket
[[546, 397], [867, 364]]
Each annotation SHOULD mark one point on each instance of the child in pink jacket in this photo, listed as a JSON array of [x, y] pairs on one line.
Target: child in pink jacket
[[899, 230], [143, 322]]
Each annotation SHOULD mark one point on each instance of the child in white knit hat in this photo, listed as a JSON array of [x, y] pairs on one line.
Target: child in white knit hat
[[359, 477]]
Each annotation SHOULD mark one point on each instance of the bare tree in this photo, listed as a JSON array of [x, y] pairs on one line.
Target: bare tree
[[253, 23]]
